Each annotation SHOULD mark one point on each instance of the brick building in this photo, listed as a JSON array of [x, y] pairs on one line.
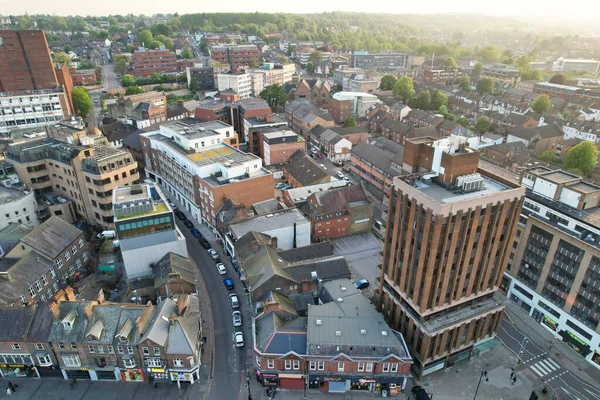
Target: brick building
[[355, 134], [340, 110], [301, 170], [317, 91], [145, 62], [83, 77], [244, 56], [278, 146], [446, 76], [377, 164]]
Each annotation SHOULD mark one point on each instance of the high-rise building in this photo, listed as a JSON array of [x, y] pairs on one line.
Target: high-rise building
[[25, 62], [449, 230], [236, 56], [146, 228], [554, 262], [146, 62]]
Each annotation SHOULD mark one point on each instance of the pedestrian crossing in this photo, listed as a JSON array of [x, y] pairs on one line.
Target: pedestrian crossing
[[544, 367]]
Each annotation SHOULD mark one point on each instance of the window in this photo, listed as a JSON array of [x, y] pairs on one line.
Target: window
[[67, 255], [74, 249], [44, 280], [85, 257], [361, 367], [321, 365], [111, 350], [120, 350], [146, 351], [39, 346], [15, 346], [129, 350], [129, 363], [38, 285], [270, 364], [394, 367], [369, 367], [340, 367], [80, 243], [101, 349], [296, 364], [78, 263], [157, 351], [71, 360], [177, 362], [44, 360], [61, 346], [31, 291], [313, 365], [386, 367], [73, 346], [59, 263], [288, 364], [91, 349]]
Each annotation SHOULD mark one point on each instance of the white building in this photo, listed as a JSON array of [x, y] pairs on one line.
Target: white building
[[361, 102], [32, 109], [17, 205], [583, 130], [145, 227], [239, 83], [571, 64]]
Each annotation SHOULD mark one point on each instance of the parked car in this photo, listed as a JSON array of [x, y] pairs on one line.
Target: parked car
[[237, 318], [280, 185], [347, 179], [314, 150], [213, 254], [239, 339], [180, 215], [173, 205], [107, 235], [319, 155], [361, 284], [287, 187], [228, 283], [234, 301], [340, 175], [323, 166], [221, 268], [195, 232], [204, 243], [188, 224]]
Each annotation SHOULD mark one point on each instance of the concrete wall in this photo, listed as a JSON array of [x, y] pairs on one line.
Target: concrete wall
[[137, 261]]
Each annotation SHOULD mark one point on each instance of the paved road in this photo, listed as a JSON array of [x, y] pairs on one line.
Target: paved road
[[229, 362], [538, 364], [110, 79]]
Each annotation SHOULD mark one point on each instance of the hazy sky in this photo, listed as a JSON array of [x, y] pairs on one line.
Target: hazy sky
[[580, 9]]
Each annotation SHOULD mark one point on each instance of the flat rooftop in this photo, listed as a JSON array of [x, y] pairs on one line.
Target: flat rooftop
[[132, 193], [199, 130], [584, 187], [559, 176], [301, 193], [281, 134], [280, 219], [8, 195], [275, 121], [446, 194]]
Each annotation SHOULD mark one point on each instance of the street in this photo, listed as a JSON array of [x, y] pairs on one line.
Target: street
[[109, 78]]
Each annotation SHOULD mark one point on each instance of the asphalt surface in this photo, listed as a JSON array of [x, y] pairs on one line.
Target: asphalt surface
[[229, 362], [534, 356], [110, 80]]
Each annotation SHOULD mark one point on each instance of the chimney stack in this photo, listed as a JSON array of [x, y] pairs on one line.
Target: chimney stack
[[142, 321], [88, 311], [55, 310], [69, 293], [181, 304], [274, 242]]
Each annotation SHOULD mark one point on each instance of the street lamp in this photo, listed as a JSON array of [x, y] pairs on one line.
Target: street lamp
[[483, 374]]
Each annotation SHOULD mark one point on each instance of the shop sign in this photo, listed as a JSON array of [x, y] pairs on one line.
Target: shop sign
[[269, 375], [596, 357], [12, 365], [332, 379], [549, 322], [367, 381], [157, 369], [577, 338]]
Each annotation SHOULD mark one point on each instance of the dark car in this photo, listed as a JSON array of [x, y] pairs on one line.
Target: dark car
[[180, 215], [228, 283], [419, 393], [188, 223], [196, 233], [204, 243]]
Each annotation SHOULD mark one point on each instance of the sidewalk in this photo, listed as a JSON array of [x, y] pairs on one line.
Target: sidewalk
[[569, 359]]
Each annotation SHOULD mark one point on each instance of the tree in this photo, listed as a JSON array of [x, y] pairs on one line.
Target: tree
[[273, 95], [483, 124], [485, 85], [548, 156], [529, 74], [82, 101], [465, 83], [62, 57], [161, 29], [156, 78], [145, 37], [316, 56], [310, 67], [541, 104], [450, 117], [129, 48], [133, 90], [187, 53], [350, 122], [166, 41], [463, 121], [193, 85], [451, 62], [127, 80], [387, 82], [438, 100], [477, 69], [68, 48], [558, 79], [403, 88], [581, 158], [338, 87]]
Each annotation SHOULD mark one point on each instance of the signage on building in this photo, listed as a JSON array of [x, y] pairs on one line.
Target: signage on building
[[549, 322]]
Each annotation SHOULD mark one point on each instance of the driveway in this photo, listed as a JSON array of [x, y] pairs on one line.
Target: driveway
[[362, 254]]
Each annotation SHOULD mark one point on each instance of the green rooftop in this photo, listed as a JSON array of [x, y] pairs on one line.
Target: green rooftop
[[158, 208]]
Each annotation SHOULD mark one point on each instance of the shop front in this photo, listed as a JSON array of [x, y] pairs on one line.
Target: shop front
[[156, 370], [184, 375], [267, 379], [549, 322], [132, 375], [596, 357], [50, 372], [575, 342], [375, 384], [17, 366], [291, 381], [81, 373]]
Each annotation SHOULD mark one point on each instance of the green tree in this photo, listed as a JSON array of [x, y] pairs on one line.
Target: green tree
[[465, 83], [485, 85], [62, 57], [274, 95], [463, 121], [581, 158], [387, 82], [548, 156], [403, 88], [145, 37], [194, 85], [133, 90], [541, 104], [155, 78], [161, 29], [316, 56], [120, 63], [127, 80], [310, 67], [529, 74], [166, 41], [450, 117], [82, 101], [129, 48], [477, 69], [68, 48], [482, 125], [438, 100], [559, 79], [338, 87], [112, 20], [451, 62], [350, 122], [187, 53]]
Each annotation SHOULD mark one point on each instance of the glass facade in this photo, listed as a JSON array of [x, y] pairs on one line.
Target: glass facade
[[145, 226]]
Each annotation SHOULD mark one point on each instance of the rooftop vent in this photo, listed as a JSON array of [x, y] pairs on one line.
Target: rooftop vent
[[384, 333], [343, 288], [339, 299], [363, 331], [319, 322], [338, 333], [314, 275]]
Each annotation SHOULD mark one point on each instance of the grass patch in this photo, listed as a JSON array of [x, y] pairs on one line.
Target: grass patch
[[158, 208]]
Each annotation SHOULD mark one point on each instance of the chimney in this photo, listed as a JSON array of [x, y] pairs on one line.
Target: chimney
[[274, 241], [69, 293], [88, 311], [142, 321], [54, 309], [172, 318], [100, 297], [181, 304], [254, 245], [60, 296]]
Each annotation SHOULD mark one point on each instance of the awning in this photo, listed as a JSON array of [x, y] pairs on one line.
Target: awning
[[337, 387], [570, 338], [291, 376]]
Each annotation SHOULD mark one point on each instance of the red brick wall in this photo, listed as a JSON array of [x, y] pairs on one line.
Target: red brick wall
[[340, 110], [246, 192], [331, 227], [282, 151]]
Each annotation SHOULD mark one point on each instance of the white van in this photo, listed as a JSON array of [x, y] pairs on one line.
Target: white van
[[107, 235]]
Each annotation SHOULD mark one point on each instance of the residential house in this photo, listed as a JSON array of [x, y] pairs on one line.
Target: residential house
[[340, 110], [505, 153], [584, 130], [317, 91], [312, 118], [540, 138], [424, 118], [355, 134], [336, 147], [377, 164], [399, 111], [301, 170], [296, 110], [448, 128], [513, 120]]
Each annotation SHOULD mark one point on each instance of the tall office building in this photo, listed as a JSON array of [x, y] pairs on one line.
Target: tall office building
[[449, 230], [145, 227], [25, 62]]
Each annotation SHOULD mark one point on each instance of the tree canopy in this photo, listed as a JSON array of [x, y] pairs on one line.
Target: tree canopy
[[274, 95], [465, 83], [559, 79], [350, 122], [477, 69], [451, 62], [310, 67], [482, 125], [62, 57], [485, 85], [187, 53], [403, 89], [581, 158], [387, 82], [438, 99], [82, 101], [541, 104], [145, 37], [133, 90], [127, 80]]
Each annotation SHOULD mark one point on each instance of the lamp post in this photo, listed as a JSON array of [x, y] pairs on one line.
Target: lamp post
[[483, 374]]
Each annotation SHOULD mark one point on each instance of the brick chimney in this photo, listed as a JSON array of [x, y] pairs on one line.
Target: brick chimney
[[101, 297], [270, 306], [142, 321], [88, 311], [274, 241], [55, 310], [69, 293], [60, 295], [181, 304]]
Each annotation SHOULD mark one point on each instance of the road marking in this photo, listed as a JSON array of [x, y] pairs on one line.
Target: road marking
[[551, 361], [551, 366], [537, 371], [542, 367]]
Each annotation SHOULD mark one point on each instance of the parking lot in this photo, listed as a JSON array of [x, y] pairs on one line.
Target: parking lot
[[362, 254]]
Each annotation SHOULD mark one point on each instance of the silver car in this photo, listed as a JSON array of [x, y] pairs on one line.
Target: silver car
[[237, 318]]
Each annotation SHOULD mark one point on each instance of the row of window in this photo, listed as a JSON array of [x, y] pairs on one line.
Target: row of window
[[341, 366]]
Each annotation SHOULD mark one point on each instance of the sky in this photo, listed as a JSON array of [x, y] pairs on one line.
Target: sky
[[584, 8]]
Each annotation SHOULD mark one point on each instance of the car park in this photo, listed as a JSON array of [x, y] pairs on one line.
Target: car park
[[237, 318], [228, 283], [221, 268], [234, 301], [361, 284], [239, 339], [213, 254], [188, 224]]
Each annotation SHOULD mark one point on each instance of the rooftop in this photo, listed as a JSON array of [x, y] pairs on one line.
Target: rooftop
[[302, 193], [263, 223], [8, 195], [137, 201], [196, 130], [445, 194], [52, 237]]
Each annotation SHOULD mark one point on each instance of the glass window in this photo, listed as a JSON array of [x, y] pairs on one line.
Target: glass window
[[386, 367], [313, 365], [394, 367], [296, 364], [340, 367], [321, 365], [288, 364], [129, 363], [369, 367], [146, 351], [361, 367], [91, 349], [270, 364]]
